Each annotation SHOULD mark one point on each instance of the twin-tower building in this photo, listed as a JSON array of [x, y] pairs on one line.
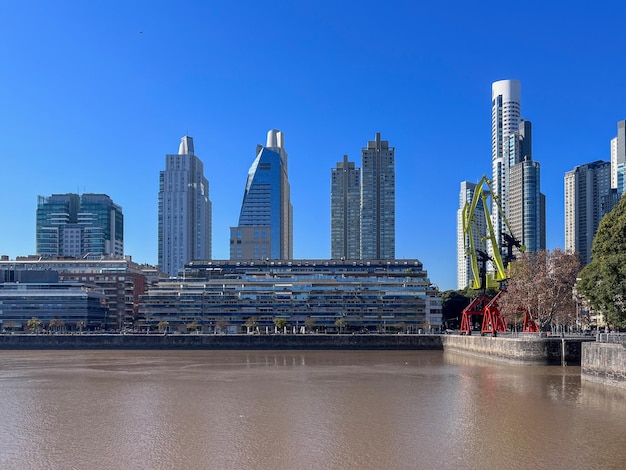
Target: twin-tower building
[[362, 207]]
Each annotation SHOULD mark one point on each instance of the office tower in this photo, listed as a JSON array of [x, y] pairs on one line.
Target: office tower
[[79, 226], [527, 205], [265, 229], [588, 198], [465, 277], [505, 121], [184, 210], [378, 200], [345, 211], [511, 151], [618, 158]]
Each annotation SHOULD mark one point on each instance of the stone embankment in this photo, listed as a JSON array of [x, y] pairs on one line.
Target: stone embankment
[[604, 363], [525, 349], [529, 349], [241, 342]]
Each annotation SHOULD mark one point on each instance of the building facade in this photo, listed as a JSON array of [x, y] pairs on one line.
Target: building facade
[[73, 225], [378, 200], [527, 205], [588, 198], [184, 210], [515, 175], [618, 158], [345, 211], [505, 121], [120, 280], [265, 229], [54, 304], [327, 295]]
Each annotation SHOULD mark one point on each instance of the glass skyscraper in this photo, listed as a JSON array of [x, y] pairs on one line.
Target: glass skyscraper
[[79, 226], [345, 211], [378, 200], [265, 229], [184, 210]]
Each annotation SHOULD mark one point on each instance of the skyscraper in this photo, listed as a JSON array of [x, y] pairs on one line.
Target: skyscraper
[[378, 200], [588, 198], [515, 176], [618, 158], [184, 210], [527, 205], [345, 211], [265, 229], [505, 120], [79, 226]]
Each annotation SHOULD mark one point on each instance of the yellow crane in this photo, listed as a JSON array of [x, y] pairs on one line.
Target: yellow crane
[[483, 248]]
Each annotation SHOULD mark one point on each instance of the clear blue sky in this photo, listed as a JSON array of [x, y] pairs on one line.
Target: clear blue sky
[[94, 94]]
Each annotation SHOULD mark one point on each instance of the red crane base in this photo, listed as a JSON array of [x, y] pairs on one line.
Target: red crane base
[[492, 319], [530, 325]]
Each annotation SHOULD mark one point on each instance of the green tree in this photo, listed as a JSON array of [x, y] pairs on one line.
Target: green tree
[[452, 304], [33, 324], [603, 281], [341, 323], [280, 323]]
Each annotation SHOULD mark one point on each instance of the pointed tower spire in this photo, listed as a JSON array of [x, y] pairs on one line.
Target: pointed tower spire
[[186, 146]]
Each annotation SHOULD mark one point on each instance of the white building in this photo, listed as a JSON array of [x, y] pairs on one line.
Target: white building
[[505, 121], [184, 210], [618, 158]]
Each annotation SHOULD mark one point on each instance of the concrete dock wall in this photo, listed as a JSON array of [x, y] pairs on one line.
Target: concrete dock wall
[[525, 349], [242, 342], [530, 350], [604, 363]]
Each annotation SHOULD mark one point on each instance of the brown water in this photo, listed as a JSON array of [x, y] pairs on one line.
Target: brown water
[[301, 410]]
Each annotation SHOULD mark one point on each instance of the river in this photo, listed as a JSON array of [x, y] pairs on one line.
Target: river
[[301, 410]]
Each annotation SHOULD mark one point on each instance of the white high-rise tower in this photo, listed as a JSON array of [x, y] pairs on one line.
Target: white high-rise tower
[[184, 210], [505, 121]]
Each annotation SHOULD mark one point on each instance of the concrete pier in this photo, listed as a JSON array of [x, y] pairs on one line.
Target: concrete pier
[[604, 363], [523, 349]]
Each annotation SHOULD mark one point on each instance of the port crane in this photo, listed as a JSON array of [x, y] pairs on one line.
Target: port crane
[[483, 248]]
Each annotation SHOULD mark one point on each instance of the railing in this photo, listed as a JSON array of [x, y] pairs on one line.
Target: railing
[[611, 338]]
